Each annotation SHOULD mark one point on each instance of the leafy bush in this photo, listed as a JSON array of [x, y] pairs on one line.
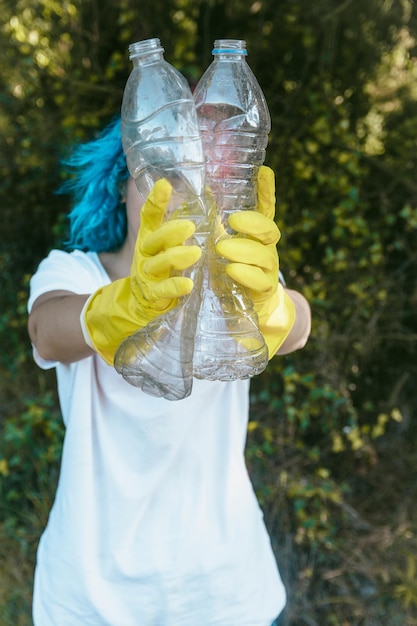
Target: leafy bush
[[30, 449]]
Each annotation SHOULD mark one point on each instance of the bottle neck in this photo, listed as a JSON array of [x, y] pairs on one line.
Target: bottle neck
[[146, 51], [230, 49]]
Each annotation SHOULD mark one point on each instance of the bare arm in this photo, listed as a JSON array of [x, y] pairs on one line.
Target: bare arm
[[54, 327], [300, 331]]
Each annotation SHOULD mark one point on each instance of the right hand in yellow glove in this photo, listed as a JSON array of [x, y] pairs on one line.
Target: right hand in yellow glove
[[254, 263], [119, 309]]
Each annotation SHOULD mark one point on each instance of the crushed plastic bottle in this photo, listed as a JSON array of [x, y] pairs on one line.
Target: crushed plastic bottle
[[234, 124], [160, 136]]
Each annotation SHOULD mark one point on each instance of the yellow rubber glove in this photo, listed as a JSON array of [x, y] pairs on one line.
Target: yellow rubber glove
[[119, 309], [254, 263]]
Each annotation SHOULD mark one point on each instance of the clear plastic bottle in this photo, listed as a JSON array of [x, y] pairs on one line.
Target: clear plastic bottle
[[161, 139], [234, 125]]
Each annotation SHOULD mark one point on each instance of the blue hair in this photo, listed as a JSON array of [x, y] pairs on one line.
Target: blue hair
[[98, 221]]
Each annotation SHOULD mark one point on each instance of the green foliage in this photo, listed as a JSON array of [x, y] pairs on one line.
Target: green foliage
[[407, 588], [326, 423], [316, 462], [30, 450], [24, 473]]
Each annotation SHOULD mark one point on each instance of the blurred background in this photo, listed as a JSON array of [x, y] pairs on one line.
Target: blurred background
[[332, 446]]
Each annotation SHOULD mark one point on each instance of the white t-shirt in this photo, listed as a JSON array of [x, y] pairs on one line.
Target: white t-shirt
[[155, 522]]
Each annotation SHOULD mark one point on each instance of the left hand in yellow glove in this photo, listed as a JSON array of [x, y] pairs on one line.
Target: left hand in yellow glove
[[254, 263]]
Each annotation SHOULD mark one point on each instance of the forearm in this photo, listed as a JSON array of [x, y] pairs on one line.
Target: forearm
[[301, 329], [54, 327]]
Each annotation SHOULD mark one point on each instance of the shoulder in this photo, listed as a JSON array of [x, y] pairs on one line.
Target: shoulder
[[77, 259], [77, 271]]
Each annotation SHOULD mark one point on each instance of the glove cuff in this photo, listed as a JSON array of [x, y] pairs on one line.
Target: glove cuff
[[106, 319], [277, 320], [83, 324]]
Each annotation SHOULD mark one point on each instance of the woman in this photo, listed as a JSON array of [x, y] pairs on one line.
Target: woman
[[155, 521]]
